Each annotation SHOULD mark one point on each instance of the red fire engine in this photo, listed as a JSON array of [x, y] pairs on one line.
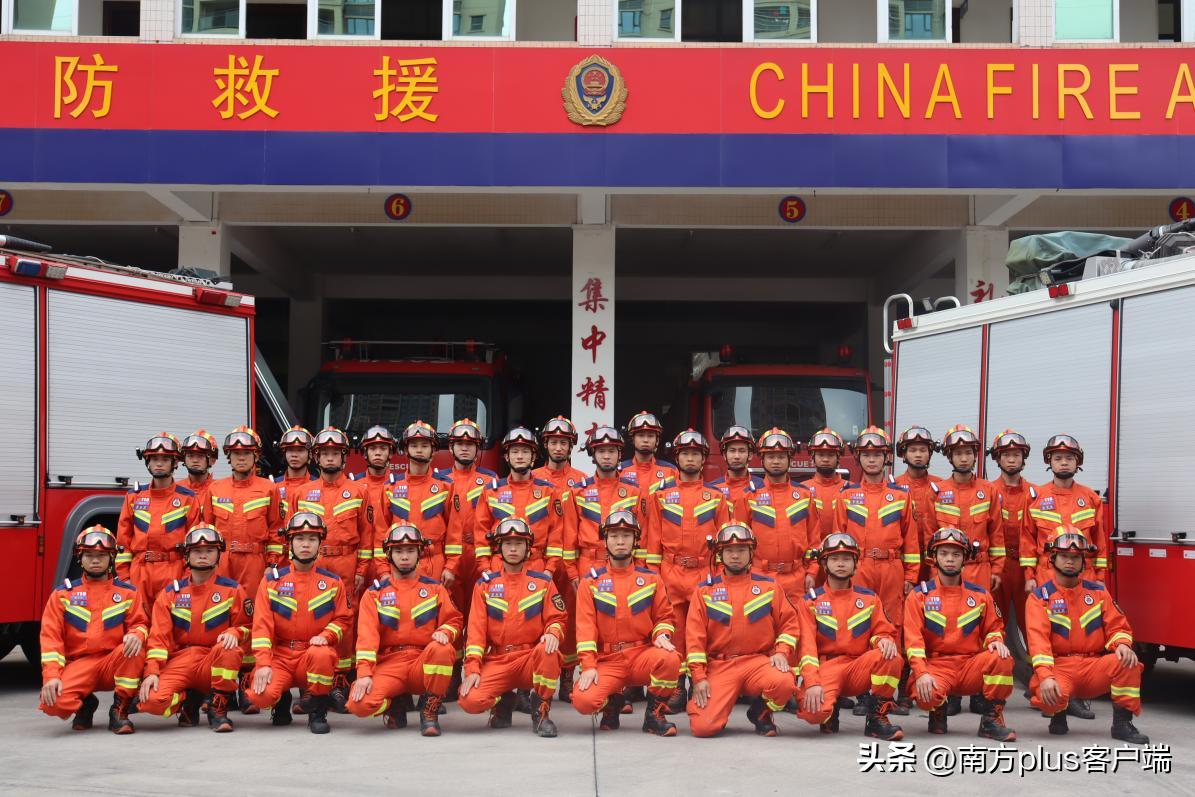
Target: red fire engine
[[98, 358], [394, 383], [801, 399], [1108, 360]]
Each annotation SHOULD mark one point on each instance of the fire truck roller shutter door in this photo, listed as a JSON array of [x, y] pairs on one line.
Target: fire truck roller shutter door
[[18, 401]]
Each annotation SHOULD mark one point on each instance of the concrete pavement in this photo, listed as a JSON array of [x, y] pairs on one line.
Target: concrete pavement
[[42, 755]]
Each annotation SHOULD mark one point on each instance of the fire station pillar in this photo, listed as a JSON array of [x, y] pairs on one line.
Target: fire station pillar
[[979, 270], [592, 343], [205, 246], [304, 339]]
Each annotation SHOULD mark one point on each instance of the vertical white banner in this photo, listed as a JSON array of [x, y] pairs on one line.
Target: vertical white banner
[[592, 342]]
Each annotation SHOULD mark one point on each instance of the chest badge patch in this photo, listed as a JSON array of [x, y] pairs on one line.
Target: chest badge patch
[[858, 603], [889, 498], [933, 603], [970, 601], [531, 586], [537, 494], [422, 593], [117, 597], [176, 503], [1088, 600], [215, 597], [322, 585], [435, 488], [1081, 502], [979, 494], [639, 582], [345, 494], [755, 590]]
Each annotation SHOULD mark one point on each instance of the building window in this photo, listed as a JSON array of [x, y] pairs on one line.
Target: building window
[[211, 18], [916, 20], [1086, 20], [479, 19], [347, 18], [43, 16], [647, 19], [779, 20]]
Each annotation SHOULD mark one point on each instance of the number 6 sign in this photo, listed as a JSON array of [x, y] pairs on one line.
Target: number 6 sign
[[792, 209], [398, 206]]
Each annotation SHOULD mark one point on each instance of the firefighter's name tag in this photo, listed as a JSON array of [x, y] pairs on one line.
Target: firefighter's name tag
[[933, 603], [497, 590], [672, 497], [401, 491], [858, 498], [1058, 606], [78, 599], [216, 499], [506, 496], [286, 589], [388, 599], [312, 495], [719, 594], [825, 608], [631, 476], [1048, 504], [764, 499], [141, 504], [946, 497], [182, 601], [605, 585], [591, 495]]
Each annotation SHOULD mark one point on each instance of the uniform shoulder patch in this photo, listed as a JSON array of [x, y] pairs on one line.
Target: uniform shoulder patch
[[1032, 493], [379, 584], [279, 479], [849, 486], [487, 472], [501, 482], [441, 477], [925, 587], [711, 579], [716, 482], [356, 476], [973, 587], [178, 488], [226, 582], [540, 575], [123, 584], [542, 482], [426, 580], [863, 590], [758, 577], [898, 487], [68, 584], [639, 569], [485, 577], [328, 573], [626, 463], [138, 487], [1090, 585], [663, 463]]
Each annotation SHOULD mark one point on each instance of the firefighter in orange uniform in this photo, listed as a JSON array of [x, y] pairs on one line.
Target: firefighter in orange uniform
[[916, 447], [741, 639], [737, 445], [468, 481], [521, 495], [301, 613], [348, 546], [954, 640], [295, 445], [92, 636], [427, 501], [559, 435], [1059, 502], [595, 498], [970, 505], [405, 634], [199, 455], [196, 632], [683, 514], [782, 517], [1009, 451], [247, 510], [643, 468], [515, 627], [377, 446], [856, 648], [624, 632], [825, 448], [153, 519], [1080, 643]]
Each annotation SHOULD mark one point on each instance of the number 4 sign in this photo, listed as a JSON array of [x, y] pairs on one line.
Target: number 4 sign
[[1182, 209]]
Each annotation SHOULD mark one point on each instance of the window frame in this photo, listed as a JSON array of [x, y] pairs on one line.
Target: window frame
[[178, 24], [677, 23], [1115, 26], [508, 24], [1186, 19], [313, 25], [749, 27], [882, 26], [8, 23]]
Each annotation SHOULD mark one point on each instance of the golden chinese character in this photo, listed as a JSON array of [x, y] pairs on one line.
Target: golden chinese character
[[238, 78], [417, 82], [66, 93]]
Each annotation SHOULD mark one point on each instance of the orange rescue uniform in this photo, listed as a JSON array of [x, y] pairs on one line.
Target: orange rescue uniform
[[784, 521], [152, 521], [395, 645], [736, 623], [620, 614], [377, 506], [429, 503], [468, 484], [82, 635], [564, 479], [922, 494], [1072, 635], [825, 492], [291, 609], [737, 490], [534, 500], [1013, 502], [249, 514], [973, 507], [1049, 508], [187, 619], [591, 502]]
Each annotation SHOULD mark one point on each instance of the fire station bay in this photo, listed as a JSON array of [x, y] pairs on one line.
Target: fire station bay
[[574, 196]]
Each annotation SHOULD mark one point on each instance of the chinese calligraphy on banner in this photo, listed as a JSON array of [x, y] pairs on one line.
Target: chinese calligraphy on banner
[[593, 334]]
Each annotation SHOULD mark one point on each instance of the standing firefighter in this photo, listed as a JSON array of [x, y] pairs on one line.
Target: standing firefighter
[[196, 632], [825, 448], [737, 445], [515, 628], [247, 511], [1009, 451], [92, 636], [916, 447], [405, 634], [199, 456], [782, 517], [299, 617], [153, 520], [559, 436], [427, 501], [644, 431], [741, 639], [377, 446], [624, 632]]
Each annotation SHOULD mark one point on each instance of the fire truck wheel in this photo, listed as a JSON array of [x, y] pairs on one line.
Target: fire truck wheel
[[30, 643]]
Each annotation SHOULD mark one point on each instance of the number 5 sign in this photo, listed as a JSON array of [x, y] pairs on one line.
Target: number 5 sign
[[792, 209], [5, 203]]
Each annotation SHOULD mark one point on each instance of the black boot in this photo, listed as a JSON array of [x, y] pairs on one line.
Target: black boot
[[423, 700], [760, 716], [217, 711], [937, 720], [454, 685], [676, 703], [977, 705], [338, 699], [300, 704], [243, 700], [317, 718], [1081, 708], [1124, 729], [566, 684], [878, 726], [503, 710], [429, 717], [631, 694], [523, 702], [654, 719], [831, 723], [118, 715], [862, 705], [611, 714], [188, 712], [992, 725], [280, 713], [85, 716], [954, 705], [541, 723], [395, 715], [1058, 725], [846, 703]]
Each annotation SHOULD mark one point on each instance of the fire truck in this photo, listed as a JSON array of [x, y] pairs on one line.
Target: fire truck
[[1108, 359], [801, 399], [98, 358], [394, 383]]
